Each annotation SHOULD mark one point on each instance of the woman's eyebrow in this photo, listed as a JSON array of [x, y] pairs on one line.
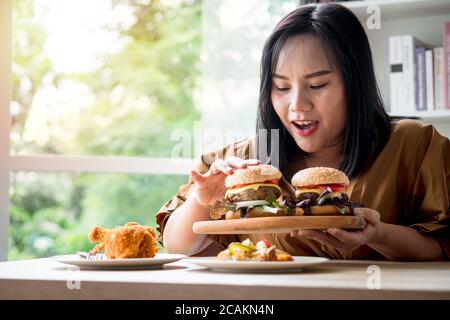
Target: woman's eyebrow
[[280, 76], [306, 76], [316, 74]]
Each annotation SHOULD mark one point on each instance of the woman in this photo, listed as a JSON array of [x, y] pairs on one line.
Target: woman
[[318, 89]]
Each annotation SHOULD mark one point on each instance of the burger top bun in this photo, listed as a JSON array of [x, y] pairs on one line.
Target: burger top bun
[[319, 175], [252, 174]]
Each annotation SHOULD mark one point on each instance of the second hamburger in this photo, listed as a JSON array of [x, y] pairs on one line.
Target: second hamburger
[[320, 191]]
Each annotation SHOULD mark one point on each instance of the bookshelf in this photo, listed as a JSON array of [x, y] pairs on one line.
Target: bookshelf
[[422, 18], [400, 9]]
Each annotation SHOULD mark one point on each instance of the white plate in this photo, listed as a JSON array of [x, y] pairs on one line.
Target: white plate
[[156, 262], [257, 266]]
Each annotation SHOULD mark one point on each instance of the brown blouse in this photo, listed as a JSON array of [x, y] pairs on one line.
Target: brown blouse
[[408, 183]]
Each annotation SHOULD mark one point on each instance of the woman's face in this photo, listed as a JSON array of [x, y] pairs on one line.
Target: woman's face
[[308, 95]]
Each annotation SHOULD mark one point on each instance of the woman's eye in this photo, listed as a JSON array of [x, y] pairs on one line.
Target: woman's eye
[[282, 89], [318, 87]]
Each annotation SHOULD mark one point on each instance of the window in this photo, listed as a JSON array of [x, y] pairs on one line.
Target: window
[[101, 91]]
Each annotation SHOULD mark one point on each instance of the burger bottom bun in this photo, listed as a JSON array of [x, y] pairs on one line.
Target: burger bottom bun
[[326, 210], [254, 213]]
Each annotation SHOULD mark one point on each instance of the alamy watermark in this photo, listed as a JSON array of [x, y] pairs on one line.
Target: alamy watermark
[[192, 144], [374, 19], [73, 278], [374, 278]]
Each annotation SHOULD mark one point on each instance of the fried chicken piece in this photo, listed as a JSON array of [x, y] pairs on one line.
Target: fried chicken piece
[[130, 241]]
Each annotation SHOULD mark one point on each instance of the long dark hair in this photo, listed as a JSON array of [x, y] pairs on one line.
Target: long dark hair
[[368, 125]]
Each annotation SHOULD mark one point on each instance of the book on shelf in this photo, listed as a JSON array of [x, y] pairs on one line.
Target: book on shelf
[[403, 74], [446, 46], [420, 79], [429, 76], [396, 73], [438, 57], [409, 44]]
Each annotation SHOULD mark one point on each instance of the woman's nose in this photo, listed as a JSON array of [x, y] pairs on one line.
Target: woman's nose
[[300, 103]]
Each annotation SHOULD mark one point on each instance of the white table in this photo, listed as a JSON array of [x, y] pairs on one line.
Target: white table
[[47, 279]]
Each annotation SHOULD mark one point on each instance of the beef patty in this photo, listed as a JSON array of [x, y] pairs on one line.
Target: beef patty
[[262, 193]]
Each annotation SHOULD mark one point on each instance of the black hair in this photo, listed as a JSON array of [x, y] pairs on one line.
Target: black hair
[[368, 125]]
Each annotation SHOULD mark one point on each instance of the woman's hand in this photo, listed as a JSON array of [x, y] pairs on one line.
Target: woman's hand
[[210, 186], [347, 240]]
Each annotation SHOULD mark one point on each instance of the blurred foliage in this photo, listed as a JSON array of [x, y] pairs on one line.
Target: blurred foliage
[[31, 68], [142, 93], [148, 90]]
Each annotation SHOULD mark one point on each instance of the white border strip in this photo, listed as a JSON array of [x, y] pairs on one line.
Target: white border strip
[[5, 121], [102, 164]]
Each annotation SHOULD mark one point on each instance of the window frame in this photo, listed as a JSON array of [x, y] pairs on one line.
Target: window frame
[[5, 121], [55, 163]]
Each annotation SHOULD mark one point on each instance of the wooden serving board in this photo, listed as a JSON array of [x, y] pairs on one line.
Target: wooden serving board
[[277, 224]]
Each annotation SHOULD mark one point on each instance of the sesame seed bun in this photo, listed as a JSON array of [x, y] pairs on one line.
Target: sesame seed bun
[[252, 174], [319, 175]]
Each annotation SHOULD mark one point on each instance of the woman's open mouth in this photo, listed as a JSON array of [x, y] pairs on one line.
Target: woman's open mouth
[[305, 127]]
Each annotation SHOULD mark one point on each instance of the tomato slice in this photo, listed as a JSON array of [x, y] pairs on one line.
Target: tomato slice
[[267, 243], [336, 187]]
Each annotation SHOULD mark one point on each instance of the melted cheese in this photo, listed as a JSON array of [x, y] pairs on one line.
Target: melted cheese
[[252, 186], [315, 190]]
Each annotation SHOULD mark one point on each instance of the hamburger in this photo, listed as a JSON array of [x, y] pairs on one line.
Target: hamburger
[[251, 192], [320, 191]]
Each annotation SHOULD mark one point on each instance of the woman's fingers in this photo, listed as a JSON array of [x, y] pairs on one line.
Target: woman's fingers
[[337, 238], [234, 162], [334, 239], [348, 237], [197, 176], [321, 237], [238, 163], [253, 161], [219, 166], [343, 239], [373, 219], [372, 216], [228, 165]]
